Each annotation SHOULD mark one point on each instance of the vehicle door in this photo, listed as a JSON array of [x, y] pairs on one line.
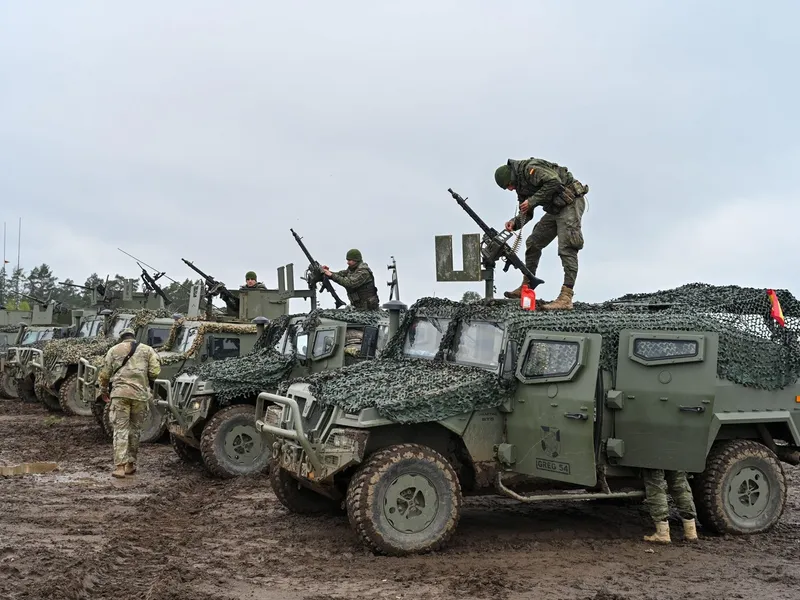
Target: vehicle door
[[663, 414], [552, 420]]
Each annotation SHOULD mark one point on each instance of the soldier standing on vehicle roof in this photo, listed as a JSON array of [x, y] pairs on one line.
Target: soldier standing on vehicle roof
[[656, 482], [562, 197], [131, 368], [251, 281], [358, 280]]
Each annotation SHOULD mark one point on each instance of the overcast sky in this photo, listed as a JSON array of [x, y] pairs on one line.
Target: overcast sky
[[205, 130]]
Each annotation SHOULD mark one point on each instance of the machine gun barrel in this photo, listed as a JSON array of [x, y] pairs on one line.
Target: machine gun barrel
[[150, 283], [316, 271], [216, 287], [499, 245]]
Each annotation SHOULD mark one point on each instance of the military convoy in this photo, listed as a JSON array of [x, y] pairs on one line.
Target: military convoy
[[396, 415], [488, 397], [212, 406]]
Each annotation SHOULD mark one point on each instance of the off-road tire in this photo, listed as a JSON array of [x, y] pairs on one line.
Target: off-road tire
[[45, 397], [108, 428], [368, 504], [68, 398], [148, 436], [299, 499], [97, 411], [213, 442], [188, 454], [26, 391], [154, 425], [8, 387], [744, 470]]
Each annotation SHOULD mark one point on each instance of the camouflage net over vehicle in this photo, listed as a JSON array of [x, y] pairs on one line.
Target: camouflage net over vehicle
[[264, 368], [204, 328], [754, 350], [71, 350]]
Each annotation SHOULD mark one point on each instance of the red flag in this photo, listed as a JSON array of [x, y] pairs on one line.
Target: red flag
[[776, 312]]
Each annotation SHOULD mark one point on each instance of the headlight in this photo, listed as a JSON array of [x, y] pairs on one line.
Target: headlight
[[195, 405]]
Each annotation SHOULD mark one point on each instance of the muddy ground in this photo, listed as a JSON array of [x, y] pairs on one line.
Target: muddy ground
[[172, 533]]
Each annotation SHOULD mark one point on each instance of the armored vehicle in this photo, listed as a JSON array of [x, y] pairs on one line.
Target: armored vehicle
[[47, 320], [211, 407], [188, 342], [489, 398]]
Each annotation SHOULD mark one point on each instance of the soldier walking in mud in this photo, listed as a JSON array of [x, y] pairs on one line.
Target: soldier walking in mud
[[656, 482], [358, 280], [562, 197], [129, 368]]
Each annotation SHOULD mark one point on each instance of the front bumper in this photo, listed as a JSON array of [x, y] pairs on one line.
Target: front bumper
[[307, 443], [187, 408], [87, 387]]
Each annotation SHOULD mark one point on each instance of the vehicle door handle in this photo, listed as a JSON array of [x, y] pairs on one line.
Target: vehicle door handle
[[579, 416], [695, 409]]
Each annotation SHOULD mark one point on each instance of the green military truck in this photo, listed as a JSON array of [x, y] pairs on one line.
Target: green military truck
[[188, 341], [211, 407], [56, 373], [539, 405], [45, 321]]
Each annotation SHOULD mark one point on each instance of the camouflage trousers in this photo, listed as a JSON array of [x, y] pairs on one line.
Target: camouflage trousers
[[126, 418], [566, 226], [656, 483]]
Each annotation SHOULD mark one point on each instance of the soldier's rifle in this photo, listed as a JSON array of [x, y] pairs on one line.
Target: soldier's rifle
[[314, 274], [150, 285], [214, 287], [494, 245]]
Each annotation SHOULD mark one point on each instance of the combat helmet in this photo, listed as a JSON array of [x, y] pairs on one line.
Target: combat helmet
[[127, 331]]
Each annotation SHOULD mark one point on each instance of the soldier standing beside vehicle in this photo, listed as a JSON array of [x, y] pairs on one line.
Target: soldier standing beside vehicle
[[129, 368], [562, 197], [358, 280], [656, 483]]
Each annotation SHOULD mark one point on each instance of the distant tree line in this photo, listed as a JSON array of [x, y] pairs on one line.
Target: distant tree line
[[41, 283]]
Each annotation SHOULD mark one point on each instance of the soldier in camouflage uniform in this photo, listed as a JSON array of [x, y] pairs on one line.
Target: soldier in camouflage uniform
[[358, 280], [251, 281], [656, 482], [130, 368], [562, 197]]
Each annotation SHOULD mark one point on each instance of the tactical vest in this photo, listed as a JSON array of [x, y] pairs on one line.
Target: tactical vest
[[570, 190], [365, 296]]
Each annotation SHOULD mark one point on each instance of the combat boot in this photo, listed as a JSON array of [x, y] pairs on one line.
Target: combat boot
[[563, 302], [517, 293], [130, 468], [690, 530], [119, 471], [661, 535]]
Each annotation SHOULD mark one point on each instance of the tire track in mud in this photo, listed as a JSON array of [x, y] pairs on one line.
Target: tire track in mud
[[173, 533]]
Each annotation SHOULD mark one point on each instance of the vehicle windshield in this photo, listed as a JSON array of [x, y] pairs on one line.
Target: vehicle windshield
[[424, 336], [120, 324], [301, 342], [279, 346], [47, 334], [479, 344], [186, 336], [29, 337], [86, 329]]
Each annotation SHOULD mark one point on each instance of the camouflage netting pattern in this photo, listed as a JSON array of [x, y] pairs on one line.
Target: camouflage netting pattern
[[204, 328], [264, 368], [71, 350], [754, 350]]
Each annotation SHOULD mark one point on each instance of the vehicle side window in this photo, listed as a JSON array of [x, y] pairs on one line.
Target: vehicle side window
[[157, 336], [649, 349], [549, 358], [225, 348], [323, 343]]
